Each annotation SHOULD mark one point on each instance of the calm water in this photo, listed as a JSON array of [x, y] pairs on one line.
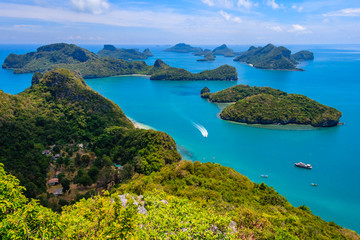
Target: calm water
[[333, 78]]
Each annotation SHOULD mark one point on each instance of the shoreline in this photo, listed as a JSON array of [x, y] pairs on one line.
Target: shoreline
[[140, 125]]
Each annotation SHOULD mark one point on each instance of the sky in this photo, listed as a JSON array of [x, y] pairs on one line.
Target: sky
[[198, 22]]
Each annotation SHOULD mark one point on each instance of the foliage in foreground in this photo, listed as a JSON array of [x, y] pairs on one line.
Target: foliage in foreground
[[105, 217], [258, 210]]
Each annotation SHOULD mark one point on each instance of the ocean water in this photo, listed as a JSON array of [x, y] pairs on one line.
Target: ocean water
[[333, 79]]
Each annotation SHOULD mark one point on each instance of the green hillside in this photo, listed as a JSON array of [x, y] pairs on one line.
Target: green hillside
[[265, 105]]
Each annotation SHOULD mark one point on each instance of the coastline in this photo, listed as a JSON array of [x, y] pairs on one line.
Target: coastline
[[140, 125]]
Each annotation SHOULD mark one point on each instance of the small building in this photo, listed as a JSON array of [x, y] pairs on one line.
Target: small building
[[46, 152], [118, 166], [53, 181], [57, 173], [58, 192], [56, 156], [81, 145]]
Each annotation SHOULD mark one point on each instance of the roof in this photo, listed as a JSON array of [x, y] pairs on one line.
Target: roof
[[58, 172], [53, 180], [58, 191]]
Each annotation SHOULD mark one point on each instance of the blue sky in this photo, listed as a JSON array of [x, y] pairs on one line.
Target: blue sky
[[167, 22]]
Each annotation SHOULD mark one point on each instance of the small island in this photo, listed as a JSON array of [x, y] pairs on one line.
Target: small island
[[303, 56], [183, 48], [224, 50], [127, 54], [265, 105], [91, 65], [274, 58], [162, 71]]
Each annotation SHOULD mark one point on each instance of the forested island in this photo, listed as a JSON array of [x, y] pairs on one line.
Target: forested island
[[224, 50], [122, 53], [265, 105], [272, 57], [148, 184], [91, 65], [183, 48], [162, 71]]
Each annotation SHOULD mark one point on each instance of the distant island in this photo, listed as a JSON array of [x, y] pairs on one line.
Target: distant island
[[183, 48], [265, 105], [126, 54], [91, 65], [272, 57], [70, 56], [224, 50], [162, 71]]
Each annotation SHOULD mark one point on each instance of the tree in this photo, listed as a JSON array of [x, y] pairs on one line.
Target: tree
[[93, 173], [84, 180], [65, 183], [85, 159]]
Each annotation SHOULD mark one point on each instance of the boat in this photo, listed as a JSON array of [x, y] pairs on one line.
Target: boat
[[264, 176], [303, 165], [314, 184]]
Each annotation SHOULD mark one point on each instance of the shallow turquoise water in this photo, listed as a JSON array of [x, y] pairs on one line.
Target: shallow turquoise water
[[333, 78]]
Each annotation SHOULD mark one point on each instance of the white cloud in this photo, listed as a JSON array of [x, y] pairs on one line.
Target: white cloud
[[246, 4], [226, 3], [92, 6], [230, 4], [275, 28], [225, 15], [347, 12], [229, 17], [237, 20], [210, 3], [297, 28], [273, 4], [297, 8]]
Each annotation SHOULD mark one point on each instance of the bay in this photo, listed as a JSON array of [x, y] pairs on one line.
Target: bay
[[333, 79]]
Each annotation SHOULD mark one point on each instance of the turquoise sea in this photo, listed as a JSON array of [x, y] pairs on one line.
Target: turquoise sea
[[333, 79]]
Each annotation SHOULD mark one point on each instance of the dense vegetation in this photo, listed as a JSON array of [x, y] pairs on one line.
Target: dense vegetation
[[163, 71], [208, 57], [269, 57], [72, 57], [178, 199], [224, 50], [258, 210], [264, 105], [183, 48], [185, 200], [303, 56], [60, 109], [127, 54], [237, 92], [90, 65]]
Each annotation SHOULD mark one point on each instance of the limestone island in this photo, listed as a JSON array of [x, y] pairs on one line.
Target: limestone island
[[274, 58], [162, 71], [70, 56], [224, 50], [183, 48], [265, 105], [91, 65], [122, 53]]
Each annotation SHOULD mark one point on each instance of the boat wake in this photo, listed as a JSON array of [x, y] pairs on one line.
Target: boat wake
[[201, 128]]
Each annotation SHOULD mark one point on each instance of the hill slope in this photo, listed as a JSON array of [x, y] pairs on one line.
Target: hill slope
[[162, 71], [269, 57], [127, 54], [59, 108]]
